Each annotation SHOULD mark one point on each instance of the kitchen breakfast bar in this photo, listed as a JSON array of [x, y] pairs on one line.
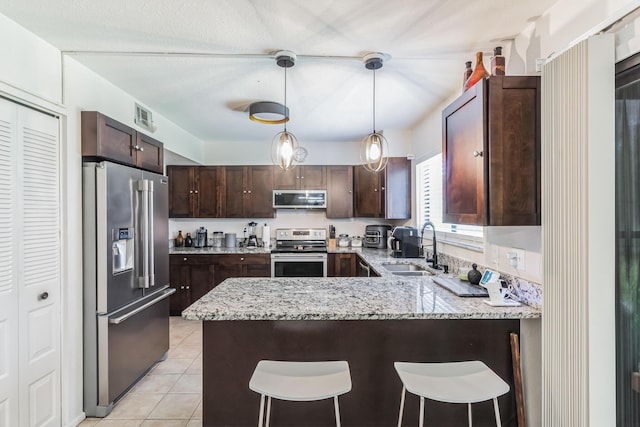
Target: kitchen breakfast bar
[[369, 322]]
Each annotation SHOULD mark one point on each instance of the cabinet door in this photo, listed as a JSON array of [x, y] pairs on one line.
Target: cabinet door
[[339, 191], [181, 191], [258, 265], [345, 265], [149, 153], [260, 192], [514, 150], [106, 138], [463, 150], [397, 188], [178, 277], [368, 198], [286, 179], [235, 192], [226, 266], [312, 178], [209, 191], [201, 280]]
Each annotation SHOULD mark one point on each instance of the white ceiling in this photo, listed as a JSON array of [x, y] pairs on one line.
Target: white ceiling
[[329, 91]]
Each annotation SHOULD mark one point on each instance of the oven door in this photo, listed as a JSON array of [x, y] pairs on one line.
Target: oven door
[[299, 265]]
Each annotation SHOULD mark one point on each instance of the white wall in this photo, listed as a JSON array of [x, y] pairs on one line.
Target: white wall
[[319, 153]]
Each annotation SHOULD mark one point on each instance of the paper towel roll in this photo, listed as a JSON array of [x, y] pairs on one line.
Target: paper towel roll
[[266, 236]]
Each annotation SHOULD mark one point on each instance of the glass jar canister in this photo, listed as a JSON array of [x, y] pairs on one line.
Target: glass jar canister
[[343, 240]]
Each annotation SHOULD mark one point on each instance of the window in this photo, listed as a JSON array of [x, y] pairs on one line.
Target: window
[[429, 200]]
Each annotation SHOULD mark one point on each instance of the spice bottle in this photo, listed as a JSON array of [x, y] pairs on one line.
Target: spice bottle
[[188, 242], [478, 74], [467, 73], [497, 62], [179, 242]]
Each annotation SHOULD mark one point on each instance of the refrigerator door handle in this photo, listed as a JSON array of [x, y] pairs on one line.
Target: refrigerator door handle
[[150, 244], [120, 319], [143, 188]]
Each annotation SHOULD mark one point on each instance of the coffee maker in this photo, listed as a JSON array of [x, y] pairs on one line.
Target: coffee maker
[[405, 242], [252, 241], [201, 238]]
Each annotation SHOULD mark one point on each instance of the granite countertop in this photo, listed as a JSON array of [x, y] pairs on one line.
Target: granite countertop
[[218, 251], [340, 298]]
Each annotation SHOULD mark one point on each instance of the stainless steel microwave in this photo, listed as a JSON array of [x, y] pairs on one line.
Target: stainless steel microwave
[[300, 199]]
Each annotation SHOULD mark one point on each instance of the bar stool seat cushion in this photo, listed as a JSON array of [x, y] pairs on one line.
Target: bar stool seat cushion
[[301, 381], [454, 382]]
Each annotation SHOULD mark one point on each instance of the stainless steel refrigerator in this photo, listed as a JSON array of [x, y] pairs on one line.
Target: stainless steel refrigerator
[[126, 279]]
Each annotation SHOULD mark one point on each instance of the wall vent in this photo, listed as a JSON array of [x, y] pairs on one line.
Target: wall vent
[[144, 118]]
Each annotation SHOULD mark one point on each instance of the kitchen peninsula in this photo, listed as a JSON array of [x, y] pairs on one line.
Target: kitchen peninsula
[[370, 322]]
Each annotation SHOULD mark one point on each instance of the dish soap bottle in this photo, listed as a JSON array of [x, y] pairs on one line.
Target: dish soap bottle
[[188, 242], [179, 242]]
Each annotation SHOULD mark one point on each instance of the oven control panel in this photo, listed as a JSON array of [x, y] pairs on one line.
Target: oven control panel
[[301, 234]]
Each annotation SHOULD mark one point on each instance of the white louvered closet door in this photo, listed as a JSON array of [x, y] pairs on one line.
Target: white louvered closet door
[[33, 209]]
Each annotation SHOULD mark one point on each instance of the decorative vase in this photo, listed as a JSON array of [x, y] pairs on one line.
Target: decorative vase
[[474, 275], [467, 73], [179, 242], [497, 62], [478, 74]]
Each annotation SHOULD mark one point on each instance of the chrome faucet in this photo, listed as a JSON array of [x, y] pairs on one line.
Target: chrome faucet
[[434, 259]]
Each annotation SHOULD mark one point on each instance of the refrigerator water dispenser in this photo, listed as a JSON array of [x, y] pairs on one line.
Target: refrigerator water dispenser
[[123, 250]]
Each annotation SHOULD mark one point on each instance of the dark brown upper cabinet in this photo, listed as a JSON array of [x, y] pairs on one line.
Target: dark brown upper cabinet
[[195, 191], [300, 178], [491, 152], [108, 139], [339, 191], [386, 194], [249, 192]]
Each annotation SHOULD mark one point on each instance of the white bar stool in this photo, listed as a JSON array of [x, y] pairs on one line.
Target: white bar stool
[[455, 382], [300, 381]]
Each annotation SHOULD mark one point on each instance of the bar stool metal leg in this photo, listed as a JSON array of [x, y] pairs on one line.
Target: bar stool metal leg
[[337, 408], [470, 417], [261, 416], [497, 411], [268, 421], [404, 391]]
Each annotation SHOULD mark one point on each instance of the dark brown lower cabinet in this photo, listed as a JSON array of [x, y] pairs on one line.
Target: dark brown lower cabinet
[[192, 276], [341, 265], [363, 269], [241, 265]]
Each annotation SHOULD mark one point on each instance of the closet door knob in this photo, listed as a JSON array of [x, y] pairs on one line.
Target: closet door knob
[[43, 296]]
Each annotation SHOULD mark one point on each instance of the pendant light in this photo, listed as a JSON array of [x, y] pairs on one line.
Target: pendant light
[[374, 149], [284, 144]]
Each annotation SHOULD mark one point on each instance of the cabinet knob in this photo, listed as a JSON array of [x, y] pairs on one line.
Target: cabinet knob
[[375, 189], [249, 191], [141, 149], [187, 287], [181, 287], [302, 177], [190, 191], [196, 191], [350, 191], [244, 192], [184, 259], [477, 153], [297, 177], [241, 258], [381, 188], [43, 296]]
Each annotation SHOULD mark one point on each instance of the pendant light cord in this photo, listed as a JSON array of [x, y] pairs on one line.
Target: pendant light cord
[[285, 95], [374, 100]]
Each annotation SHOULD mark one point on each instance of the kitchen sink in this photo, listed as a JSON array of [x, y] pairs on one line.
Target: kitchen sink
[[413, 273], [406, 269]]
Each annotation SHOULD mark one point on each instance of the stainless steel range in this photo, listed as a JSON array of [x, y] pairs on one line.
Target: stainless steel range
[[299, 252]]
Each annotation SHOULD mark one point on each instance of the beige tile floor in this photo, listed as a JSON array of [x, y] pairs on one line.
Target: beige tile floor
[[170, 395]]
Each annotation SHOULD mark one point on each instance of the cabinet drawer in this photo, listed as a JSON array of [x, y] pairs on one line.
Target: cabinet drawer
[[242, 259], [189, 259]]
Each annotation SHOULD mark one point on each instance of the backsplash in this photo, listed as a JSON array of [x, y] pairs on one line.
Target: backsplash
[[529, 293]]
